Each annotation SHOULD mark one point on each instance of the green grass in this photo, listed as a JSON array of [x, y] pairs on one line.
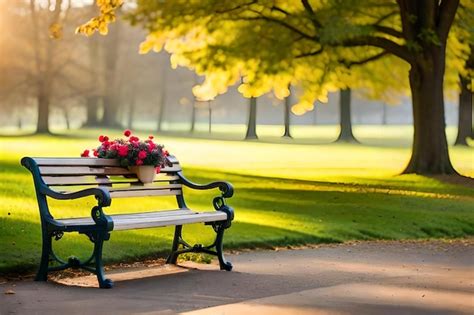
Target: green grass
[[287, 193]]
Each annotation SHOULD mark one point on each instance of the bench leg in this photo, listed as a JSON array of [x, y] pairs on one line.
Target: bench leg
[[42, 274], [224, 265], [219, 228], [173, 257], [99, 267]]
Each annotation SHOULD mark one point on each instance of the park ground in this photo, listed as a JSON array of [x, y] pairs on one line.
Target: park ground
[[288, 192], [381, 277]]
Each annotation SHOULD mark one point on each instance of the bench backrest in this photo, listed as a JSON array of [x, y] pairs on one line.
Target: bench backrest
[[70, 173]]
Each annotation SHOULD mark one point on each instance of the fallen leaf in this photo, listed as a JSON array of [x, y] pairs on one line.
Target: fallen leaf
[[9, 292]]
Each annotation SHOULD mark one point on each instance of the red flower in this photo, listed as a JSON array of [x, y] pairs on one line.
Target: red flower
[[96, 153], [134, 139], [106, 138], [139, 162], [151, 146], [166, 153], [122, 150], [142, 155], [127, 133], [85, 153], [101, 138], [150, 137], [158, 170]]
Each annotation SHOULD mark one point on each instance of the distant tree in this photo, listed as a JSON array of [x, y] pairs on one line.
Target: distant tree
[[345, 123], [252, 120], [287, 116], [465, 129]]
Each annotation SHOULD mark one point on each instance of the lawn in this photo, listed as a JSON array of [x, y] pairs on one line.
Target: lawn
[[287, 192]]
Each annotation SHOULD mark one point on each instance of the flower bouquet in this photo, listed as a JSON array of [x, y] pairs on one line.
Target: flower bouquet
[[144, 158]]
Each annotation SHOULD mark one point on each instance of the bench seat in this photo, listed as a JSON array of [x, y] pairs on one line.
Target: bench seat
[[149, 219]]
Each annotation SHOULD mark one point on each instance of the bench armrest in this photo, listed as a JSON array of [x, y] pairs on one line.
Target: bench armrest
[[101, 194], [225, 187]]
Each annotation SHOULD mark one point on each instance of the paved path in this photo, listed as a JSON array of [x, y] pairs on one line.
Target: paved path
[[362, 278]]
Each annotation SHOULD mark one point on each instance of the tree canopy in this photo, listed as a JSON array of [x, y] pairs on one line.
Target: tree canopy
[[318, 47]]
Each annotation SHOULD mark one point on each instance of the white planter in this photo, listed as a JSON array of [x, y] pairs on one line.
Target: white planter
[[145, 173]]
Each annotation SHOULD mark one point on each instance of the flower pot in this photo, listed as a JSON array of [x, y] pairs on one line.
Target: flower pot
[[145, 173]]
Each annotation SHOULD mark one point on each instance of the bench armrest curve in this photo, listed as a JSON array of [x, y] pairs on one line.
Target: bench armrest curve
[[101, 194], [225, 187]]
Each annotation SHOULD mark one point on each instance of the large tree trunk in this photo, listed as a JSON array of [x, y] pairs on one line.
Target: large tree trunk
[[162, 96], [43, 113], [430, 148], [252, 122], [193, 116], [111, 99], [345, 134], [131, 112], [92, 104], [161, 111], [193, 104], [287, 116], [465, 113]]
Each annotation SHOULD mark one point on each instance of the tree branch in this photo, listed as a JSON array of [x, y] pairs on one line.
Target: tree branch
[[307, 6], [240, 6], [388, 31], [312, 53], [384, 17], [380, 42], [276, 21], [447, 12], [349, 64]]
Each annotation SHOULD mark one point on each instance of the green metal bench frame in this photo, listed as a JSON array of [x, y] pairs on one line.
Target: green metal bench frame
[[104, 224]]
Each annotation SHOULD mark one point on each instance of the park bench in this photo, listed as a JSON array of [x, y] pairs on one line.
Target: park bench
[[72, 178]]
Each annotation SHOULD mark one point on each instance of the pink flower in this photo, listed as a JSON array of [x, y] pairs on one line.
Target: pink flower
[[127, 133], [139, 162], [158, 170], [122, 150], [142, 155], [85, 153]]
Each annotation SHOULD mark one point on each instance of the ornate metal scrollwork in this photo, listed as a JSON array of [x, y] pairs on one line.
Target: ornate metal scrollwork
[[57, 235]]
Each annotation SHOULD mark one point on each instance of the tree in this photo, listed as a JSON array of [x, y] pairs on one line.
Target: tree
[[345, 133], [252, 121], [465, 129], [287, 116], [311, 44]]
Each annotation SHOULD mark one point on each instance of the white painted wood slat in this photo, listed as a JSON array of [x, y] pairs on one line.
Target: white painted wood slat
[[153, 219], [143, 193], [102, 180]]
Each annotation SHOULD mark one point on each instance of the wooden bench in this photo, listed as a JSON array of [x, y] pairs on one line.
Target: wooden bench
[[72, 178]]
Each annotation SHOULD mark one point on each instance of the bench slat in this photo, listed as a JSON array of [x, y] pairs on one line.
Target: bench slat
[[142, 193], [85, 161], [142, 187], [85, 170], [152, 219], [91, 180], [152, 214]]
